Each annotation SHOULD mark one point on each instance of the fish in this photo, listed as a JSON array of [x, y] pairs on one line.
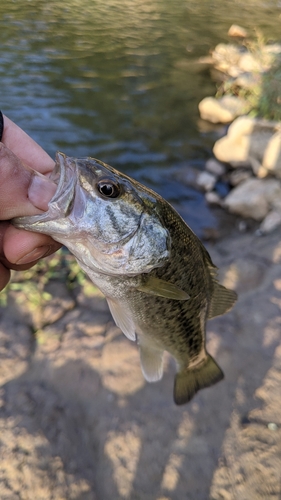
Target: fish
[[157, 277]]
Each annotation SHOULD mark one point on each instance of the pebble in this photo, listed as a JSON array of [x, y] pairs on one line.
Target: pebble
[[272, 426], [206, 181], [238, 31], [213, 198], [215, 167], [239, 175], [270, 222]]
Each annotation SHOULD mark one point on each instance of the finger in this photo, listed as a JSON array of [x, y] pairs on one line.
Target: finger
[[16, 182], [4, 272], [26, 148], [23, 247], [4, 276]]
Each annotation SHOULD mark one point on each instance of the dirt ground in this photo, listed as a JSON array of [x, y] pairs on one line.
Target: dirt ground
[[78, 421]]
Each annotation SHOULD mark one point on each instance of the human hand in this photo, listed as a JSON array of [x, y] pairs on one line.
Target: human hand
[[22, 192]]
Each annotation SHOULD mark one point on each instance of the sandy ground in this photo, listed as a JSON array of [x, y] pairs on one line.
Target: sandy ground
[[78, 421]]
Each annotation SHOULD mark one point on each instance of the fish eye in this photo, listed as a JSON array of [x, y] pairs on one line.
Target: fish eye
[[108, 188]]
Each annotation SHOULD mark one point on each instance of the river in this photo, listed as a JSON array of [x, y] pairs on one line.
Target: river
[[120, 81]]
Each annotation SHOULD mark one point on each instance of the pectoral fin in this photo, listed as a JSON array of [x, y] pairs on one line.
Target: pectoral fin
[[151, 362], [222, 300], [156, 286], [122, 318]]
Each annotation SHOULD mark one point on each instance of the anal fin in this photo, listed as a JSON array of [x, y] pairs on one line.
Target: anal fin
[[151, 362], [190, 380]]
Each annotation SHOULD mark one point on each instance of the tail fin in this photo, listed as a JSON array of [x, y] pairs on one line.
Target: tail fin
[[189, 381]]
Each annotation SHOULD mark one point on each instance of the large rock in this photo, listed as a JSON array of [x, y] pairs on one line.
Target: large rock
[[272, 155], [251, 141], [271, 222], [223, 110], [254, 198], [226, 57], [248, 63]]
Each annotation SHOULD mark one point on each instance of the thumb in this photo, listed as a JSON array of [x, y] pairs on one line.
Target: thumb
[[23, 191]]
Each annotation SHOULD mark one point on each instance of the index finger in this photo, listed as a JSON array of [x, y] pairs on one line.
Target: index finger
[[26, 148]]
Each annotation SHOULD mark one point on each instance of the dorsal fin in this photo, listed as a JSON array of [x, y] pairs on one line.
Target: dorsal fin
[[222, 300]]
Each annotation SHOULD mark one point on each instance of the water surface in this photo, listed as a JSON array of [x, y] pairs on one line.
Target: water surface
[[120, 80]]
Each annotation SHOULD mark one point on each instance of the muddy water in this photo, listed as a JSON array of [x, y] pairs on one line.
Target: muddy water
[[120, 81]]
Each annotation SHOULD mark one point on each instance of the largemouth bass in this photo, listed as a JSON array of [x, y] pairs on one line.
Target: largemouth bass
[[157, 277]]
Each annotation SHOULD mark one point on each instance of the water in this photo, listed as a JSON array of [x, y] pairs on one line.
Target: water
[[119, 80]]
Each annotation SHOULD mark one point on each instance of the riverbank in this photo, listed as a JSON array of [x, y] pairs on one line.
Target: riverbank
[[78, 420], [248, 155]]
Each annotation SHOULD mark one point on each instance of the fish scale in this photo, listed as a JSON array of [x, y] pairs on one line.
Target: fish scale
[[156, 275]]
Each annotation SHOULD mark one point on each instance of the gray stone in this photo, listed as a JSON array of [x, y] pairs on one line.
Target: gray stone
[[253, 198], [206, 181], [213, 198], [215, 167], [239, 175], [270, 222]]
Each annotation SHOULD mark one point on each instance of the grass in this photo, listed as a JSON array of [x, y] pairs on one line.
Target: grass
[[31, 284]]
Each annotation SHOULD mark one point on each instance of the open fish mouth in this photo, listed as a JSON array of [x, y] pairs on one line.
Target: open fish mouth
[[63, 177], [61, 203]]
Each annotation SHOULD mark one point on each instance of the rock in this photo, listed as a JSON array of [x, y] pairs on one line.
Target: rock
[[271, 222], [205, 60], [213, 198], [226, 56], [272, 48], [236, 30], [272, 155], [253, 198], [246, 141], [215, 167], [239, 175], [257, 168], [248, 80], [206, 181], [223, 110], [236, 61], [249, 63]]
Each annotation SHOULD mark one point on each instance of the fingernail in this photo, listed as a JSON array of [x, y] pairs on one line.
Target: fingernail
[[41, 190], [36, 254]]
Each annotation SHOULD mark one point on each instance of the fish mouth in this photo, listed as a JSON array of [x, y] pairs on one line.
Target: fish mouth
[[63, 177], [61, 203]]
